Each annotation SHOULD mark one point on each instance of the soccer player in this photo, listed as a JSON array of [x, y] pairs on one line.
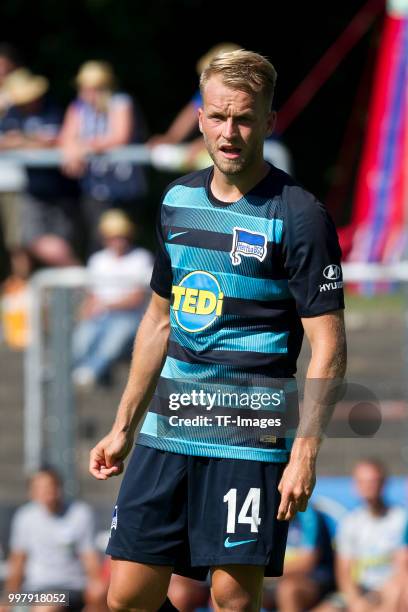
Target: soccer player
[[247, 260]]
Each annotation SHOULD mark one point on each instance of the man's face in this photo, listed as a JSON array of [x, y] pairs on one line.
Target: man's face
[[45, 490], [234, 124], [118, 244], [92, 95], [369, 482]]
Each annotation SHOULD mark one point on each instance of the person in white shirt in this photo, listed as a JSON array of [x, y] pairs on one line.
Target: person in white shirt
[[368, 542], [114, 304], [52, 548]]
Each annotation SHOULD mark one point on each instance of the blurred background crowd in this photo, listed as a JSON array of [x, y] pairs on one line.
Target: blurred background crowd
[[98, 112]]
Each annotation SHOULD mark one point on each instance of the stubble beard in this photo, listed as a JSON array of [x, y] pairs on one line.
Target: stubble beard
[[230, 167]]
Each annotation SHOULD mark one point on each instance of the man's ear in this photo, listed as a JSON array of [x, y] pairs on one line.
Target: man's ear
[[271, 122], [200, 115]]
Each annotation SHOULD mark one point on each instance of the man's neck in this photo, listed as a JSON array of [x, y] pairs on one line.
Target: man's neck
[[231, 187], [377, 508]]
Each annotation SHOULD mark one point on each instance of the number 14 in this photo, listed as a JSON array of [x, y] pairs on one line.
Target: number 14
[[252, 502]]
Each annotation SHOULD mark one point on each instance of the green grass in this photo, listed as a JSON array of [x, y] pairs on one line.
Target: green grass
[[386, 302]]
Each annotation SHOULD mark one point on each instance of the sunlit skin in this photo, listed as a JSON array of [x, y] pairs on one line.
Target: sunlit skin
[[93, 95], [46, 491], [234, 124], [369, 482], [6, 66], [120, 245]]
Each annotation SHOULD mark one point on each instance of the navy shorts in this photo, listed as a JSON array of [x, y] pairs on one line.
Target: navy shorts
[[197, 512], [194, 513]]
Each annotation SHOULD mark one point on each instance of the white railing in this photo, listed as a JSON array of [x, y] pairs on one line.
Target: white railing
[[36, 373], [162, 157]]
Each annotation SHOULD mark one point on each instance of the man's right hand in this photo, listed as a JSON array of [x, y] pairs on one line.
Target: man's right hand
[[107, 457]]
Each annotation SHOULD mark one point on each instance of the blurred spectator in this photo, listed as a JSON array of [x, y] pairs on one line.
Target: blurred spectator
[[308, 570], [99, 120], [15, 301], [185, 125], [47, 214], [52, 547], [114, 306], [9, 61], [186, 122], [402, 559], [368, 541]]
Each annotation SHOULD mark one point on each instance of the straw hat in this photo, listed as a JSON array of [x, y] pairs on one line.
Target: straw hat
[[204, 61], [23, 87], [95, 74], [114, 223]]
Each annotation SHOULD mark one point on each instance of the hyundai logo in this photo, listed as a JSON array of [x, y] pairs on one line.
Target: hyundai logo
[[332, 272]]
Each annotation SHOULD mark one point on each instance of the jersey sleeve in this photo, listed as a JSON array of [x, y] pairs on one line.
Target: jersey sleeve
[[162, 275], [311, 253]]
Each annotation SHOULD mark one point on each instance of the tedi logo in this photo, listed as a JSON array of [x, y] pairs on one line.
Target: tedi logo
[[333, 274], [198, 301]]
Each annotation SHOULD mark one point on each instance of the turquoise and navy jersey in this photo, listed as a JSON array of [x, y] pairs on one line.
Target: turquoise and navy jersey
[[239, 277]]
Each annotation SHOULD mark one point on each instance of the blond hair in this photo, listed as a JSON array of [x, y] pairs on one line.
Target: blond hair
[[245, 70], [205, 60], [95, 73]]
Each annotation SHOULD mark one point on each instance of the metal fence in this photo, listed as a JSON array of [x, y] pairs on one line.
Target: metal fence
[[51, 406]]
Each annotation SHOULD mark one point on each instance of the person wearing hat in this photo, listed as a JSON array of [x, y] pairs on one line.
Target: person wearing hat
[[9, 61], [99, 120], [47, 214], [114, 304], [186, 122]]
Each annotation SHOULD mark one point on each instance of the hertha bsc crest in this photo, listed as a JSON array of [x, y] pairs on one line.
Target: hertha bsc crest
[[114, 523], [247, 244]]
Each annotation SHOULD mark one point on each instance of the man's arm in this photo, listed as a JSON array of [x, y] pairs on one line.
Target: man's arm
[[181, 127], [15, 139], [344, 577], [327, 367], [93, 306], [95, 591], [148, 357], [15, 571]]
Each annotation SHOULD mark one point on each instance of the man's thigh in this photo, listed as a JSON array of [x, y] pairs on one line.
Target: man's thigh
[[237, 587], [137, 585], [187, 593]]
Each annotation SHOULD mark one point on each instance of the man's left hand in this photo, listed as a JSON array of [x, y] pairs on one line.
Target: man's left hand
[[296, 487]]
